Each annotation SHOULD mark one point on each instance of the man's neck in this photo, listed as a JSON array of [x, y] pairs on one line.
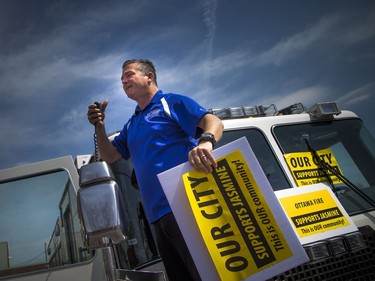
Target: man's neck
[[145, 99]]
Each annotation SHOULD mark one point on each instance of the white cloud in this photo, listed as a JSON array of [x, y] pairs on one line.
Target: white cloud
[[78, 58], [358, 95], [360, 31], [306, 96], [60, 58], [15, 132], [290, 47]]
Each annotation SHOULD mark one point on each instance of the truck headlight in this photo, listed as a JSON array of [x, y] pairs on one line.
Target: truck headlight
[[355, 241], [318, 250], [337, 245]]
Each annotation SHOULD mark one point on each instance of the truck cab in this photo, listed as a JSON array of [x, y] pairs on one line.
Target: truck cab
[[274, 134], [42, 237]]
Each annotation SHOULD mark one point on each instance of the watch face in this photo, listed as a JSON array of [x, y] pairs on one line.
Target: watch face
[[207, 137]]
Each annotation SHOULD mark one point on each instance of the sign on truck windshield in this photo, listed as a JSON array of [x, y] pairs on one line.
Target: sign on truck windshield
[[346, 145], [306, 169]]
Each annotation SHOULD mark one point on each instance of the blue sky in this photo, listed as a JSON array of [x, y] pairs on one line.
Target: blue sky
[[58, 56]]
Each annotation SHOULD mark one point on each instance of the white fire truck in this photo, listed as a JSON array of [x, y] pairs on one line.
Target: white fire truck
[[64, 220]]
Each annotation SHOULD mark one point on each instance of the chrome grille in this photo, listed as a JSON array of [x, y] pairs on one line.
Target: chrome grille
[[358, 266]]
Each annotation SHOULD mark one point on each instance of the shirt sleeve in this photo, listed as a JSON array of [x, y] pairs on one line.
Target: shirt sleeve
[[187, 113], [120, 142]]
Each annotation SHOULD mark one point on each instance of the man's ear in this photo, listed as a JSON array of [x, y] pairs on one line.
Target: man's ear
[[150, 77]]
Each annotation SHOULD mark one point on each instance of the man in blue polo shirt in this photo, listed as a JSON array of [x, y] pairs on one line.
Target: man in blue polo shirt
[[161, 134]]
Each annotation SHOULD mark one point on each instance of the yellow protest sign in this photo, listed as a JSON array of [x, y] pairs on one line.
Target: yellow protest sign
[[235, 221], [314, 211], [306, 169]]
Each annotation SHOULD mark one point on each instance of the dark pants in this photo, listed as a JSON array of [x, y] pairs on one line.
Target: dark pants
[[178, 262]]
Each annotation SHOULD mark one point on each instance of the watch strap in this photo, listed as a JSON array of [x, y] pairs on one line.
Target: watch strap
[[207, 137]]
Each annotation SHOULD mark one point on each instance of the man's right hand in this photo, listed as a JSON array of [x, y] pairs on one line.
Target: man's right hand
[[95, 115]]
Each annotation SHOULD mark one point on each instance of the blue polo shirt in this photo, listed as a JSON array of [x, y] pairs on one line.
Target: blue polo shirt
[[158, 138]]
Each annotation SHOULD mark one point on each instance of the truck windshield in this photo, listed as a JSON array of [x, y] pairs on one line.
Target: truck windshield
[[344, 144], [263, 152]]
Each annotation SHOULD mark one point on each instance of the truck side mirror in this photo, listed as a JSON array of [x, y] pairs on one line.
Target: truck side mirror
[[100, 206], [103, 217]]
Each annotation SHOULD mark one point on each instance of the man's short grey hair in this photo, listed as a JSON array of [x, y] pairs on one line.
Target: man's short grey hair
[[144, 65]]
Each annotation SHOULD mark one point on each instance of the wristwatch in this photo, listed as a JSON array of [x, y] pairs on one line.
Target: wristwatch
[[207, 137]]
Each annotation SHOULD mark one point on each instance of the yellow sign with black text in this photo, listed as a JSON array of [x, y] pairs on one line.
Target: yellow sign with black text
[[306, 170], [235, 221], [314, 212]]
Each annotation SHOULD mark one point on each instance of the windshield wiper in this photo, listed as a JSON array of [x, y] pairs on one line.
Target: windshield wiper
[[326, 167]]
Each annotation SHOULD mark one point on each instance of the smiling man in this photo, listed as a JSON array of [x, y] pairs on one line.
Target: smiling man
[[165, 130]]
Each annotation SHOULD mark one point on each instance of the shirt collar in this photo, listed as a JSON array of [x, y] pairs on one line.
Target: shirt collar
[[157, 97]]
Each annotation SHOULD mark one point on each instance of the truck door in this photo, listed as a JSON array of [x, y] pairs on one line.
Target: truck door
[[40, 231]]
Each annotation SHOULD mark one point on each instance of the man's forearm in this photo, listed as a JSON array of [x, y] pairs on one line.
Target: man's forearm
[[212, 124], [107, 151]]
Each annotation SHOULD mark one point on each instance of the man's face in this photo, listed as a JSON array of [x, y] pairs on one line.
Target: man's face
[[134, 81]]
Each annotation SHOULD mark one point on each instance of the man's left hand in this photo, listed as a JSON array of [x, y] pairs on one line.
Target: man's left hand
[[201, 157]]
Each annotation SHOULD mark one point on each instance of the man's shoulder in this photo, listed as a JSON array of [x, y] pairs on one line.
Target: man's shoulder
[[176, 97], [167, 95], [170, 95]]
